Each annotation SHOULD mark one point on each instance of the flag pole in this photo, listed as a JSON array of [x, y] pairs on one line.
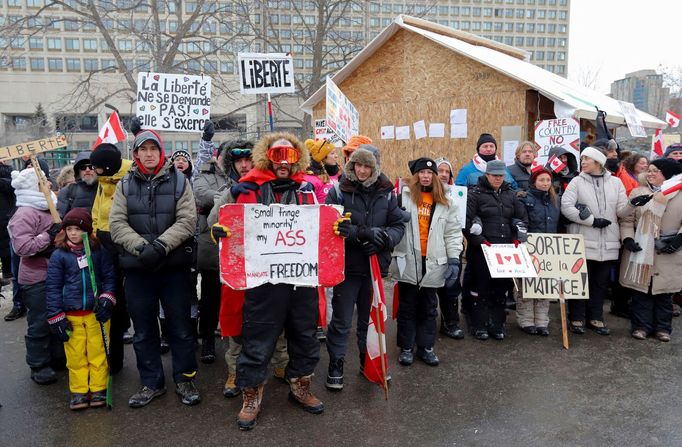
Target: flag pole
[[374, 264], [272, 125]]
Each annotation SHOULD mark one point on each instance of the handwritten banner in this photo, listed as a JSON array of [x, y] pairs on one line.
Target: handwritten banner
[[266, 73], [32, 147], [508, 261], [342, 117], [281, 244], [559, 260], [562, 132], [172, 102]]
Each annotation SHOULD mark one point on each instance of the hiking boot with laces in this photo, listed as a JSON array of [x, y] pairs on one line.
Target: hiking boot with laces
[[15, 313], [252, 398], [144, 396], [188, 391], [231, 389], [335, 375], [300, 393]]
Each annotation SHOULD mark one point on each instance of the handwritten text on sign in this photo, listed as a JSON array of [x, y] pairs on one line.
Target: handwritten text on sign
[[289, 244], [562, 132], [559, 260], [342, 117], [32, 147], [508, 261], [266, 73], [170, 102]]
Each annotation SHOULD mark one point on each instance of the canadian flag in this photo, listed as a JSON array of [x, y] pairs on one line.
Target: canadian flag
[[536, 165], [672, 118], [657, 149], [376, 364], [556, 164], [112, 131], [672, 184]]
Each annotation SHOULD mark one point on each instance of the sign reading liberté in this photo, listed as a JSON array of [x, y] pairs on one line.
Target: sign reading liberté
[[563, 132], [173, 102], [559, 260], [266, 73], [281, 244], [341, 116], [32, 147]]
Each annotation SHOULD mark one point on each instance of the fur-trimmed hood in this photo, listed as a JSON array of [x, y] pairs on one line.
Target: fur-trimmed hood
[[365, 157], [260, 152]]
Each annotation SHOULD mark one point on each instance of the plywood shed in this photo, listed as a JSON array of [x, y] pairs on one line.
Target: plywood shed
[[418, 70]]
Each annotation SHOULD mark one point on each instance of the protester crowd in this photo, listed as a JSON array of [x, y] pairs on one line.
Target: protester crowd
[[137, 237]]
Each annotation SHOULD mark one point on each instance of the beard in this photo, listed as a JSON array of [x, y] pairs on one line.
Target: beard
[[90, 180]]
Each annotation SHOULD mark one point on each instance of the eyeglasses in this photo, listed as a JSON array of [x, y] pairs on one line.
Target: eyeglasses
[[86, 167], [283, 154], [240, 152], [653, 170]]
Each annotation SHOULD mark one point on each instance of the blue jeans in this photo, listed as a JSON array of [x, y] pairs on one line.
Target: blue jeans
[[42, 348], [17, 297]]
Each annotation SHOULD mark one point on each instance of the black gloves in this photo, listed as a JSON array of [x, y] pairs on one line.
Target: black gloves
[[241, 188], [674, 245], [345, 229], [209, 131], [218, 231], [135, 125], [641, 200], [600, 223], [60, 326], [369, 248], [630, 244], [53, 231], [152, 254], [104, 306], [584, 211], [452, 273], [377, 236]]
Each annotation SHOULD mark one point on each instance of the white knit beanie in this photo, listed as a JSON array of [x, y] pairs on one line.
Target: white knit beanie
[[595, 154], [25, 180]]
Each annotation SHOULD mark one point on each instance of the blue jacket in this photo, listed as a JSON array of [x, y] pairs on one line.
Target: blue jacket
[[543, 215], [468, 176], [68, 287]]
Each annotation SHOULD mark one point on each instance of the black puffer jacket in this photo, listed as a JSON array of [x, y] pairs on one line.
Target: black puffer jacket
[[373, 206], [543, 215], [496, 211], [7, 207]]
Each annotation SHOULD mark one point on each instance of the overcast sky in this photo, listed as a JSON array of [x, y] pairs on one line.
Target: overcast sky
[[621, 36]]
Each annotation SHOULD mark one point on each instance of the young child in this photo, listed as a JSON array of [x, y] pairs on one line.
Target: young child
[[75, 314]]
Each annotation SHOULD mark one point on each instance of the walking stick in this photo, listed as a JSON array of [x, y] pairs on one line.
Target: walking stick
[[110, 380]]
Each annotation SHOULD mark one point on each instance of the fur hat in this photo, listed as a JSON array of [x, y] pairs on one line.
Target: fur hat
[[421, 164], [485, 138], [106, 156], [319, 149], [364, 157], [79, 217], [260, 152], [595, 154], [25, 180], [668, 167], [374, 150], [353, 143]]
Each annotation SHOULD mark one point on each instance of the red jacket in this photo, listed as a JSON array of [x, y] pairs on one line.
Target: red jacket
[[628, 181]]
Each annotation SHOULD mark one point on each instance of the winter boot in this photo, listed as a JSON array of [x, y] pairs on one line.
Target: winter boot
[[188, 392], [144, 396], [44, 375], [78, 401], [280, 373], [300, 393], [231, 389], [362, 363], [405, 358], [252, 398], [98, 399], [335, 375], [208, 350], [428, 356]]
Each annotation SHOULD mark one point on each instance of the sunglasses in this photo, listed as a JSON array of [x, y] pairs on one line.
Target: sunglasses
[[86, 167], [283, 154], [240, 152]]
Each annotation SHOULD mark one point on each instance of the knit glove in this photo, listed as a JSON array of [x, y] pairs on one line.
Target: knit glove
[[60, 326], [641, 200], [452, 272], [584, 211], [600, 222], [242, 188], [375, 235], [104, 306], [135, 125], [218, 231], [674, 245], [209, 131], [630, 244], [369, 248], [152, 254]]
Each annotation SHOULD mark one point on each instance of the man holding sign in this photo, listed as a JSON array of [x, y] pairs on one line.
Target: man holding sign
[[280, 160]]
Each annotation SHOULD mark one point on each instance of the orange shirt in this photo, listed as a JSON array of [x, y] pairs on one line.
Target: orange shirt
[[424, 214]]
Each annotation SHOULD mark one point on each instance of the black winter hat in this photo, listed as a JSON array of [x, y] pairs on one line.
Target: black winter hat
[[485, 138], [107, 157], [668, 167], [422, 163]]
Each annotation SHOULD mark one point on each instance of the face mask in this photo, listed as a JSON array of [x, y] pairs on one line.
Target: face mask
[[331, 169], [487, 157], [612, 164]]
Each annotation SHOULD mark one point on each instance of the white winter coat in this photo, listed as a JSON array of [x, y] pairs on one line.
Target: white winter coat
[[445, 242], [605, 197]]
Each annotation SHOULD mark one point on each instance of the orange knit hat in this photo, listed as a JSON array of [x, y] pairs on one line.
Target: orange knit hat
[[354, 142]]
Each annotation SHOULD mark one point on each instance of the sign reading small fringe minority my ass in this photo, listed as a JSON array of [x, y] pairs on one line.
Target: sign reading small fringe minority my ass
[[261, 73], [172, 102], [563, 132], [559, 260], [280, 244], [342, 117]]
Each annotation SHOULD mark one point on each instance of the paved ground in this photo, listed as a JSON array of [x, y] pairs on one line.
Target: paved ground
[[524, 391]]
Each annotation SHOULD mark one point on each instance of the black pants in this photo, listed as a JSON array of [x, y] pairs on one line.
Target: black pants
[[598, 274], [487, 296], [353, 291], [448, 299], [209, 304], [652, 313], [144, 290], [269, 309], [620, 296], [42, 347], [417, 314]]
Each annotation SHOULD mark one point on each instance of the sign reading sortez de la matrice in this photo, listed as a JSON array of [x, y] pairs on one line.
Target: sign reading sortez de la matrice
[[280, 244]]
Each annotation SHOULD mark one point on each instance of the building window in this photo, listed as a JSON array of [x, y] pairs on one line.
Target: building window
[[54, 43], [519, 27], [285, 19], [551, 28], [540, 55], [109, 64], [125, 45], [71, 25], [465, 25], [466, 11], [541, 13], [72, 44], [227, 67], [509, 27], [73, 65], [37, 64], [541, 41], [551, 15], [55, 64], [509, 13], [562, 29], [561, 56], [487, 12], [90, 65], [34, 3], [530, 13], [518, 41], [19, 63], [476, 12], [508, 40], [519, 13], [550, 55], [90, 44], [487, 26], [530, 41], [541, 27], [560, 69], [35, 43], [563, 15]]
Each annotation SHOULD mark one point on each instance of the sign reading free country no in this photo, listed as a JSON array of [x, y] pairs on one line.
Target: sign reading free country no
[[265, 73]]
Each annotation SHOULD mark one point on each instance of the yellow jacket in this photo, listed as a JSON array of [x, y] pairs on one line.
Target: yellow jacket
[[105, 195]]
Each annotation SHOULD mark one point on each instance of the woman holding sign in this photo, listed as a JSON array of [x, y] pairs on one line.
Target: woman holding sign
[[652, 260]]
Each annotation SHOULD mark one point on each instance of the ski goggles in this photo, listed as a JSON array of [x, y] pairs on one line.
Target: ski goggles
[[283, 154], [240, 152]]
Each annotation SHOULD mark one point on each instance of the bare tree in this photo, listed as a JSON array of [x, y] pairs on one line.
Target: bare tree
[[672, 78], [588, 76]]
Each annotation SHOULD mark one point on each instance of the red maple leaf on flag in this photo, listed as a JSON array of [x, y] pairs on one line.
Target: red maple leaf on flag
[[112, 131], [556, 164]]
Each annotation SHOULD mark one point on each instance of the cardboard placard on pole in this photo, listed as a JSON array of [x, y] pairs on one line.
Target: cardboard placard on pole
[[341, 115], [562, 132], [266, 73], [32, 147]]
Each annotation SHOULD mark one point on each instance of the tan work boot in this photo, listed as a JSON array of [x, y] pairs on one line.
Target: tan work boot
[[301, 394], [279, 374], [246, 419], [231, 389]]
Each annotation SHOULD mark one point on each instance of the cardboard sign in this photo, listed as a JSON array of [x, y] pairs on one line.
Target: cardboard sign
[[459, 195], [324, 132], [632, 119], [342, 117], [173, 103], [266, 73], [507, 261], [32, 147], [559, 260], [563, 132], [281, 244]]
